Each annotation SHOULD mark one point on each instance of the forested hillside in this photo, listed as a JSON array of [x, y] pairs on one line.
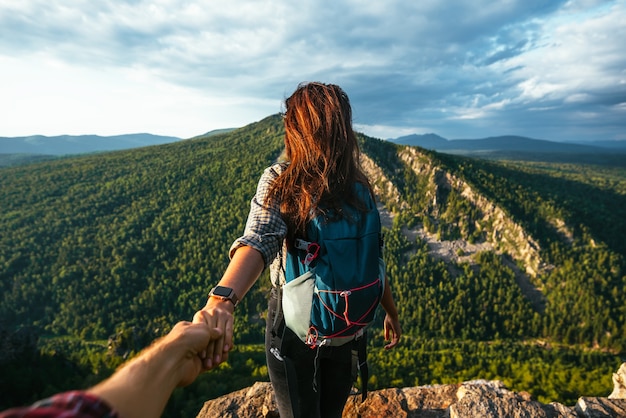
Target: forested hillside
[[125, 244]]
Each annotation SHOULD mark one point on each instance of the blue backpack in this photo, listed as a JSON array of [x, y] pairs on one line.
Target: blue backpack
[[335, 277]]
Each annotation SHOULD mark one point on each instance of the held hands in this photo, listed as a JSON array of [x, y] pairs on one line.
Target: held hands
[[186, 341], [142, 386], [216, 314]]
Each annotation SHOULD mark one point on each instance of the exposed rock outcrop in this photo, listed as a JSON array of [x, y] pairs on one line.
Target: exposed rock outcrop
[[619, 383], [474, 399], [383, 187], [503, 232]]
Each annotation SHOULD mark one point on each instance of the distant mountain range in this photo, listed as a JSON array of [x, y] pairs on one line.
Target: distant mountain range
[[78, 144], [507, 144], [81, 144]]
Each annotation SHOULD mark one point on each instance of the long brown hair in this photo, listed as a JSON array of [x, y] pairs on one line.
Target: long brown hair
[[323, 155]]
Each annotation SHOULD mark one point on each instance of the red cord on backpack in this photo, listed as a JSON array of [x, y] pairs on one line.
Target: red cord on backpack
[[311, 337], [345, 294], [312, 252], [350, 323]]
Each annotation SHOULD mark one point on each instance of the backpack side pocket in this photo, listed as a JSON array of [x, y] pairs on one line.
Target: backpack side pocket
[[297, 301]]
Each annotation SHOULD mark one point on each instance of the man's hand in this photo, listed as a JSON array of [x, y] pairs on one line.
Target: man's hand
[[142, 386], [190, 340]]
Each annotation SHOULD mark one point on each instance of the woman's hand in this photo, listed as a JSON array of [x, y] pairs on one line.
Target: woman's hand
[[392, 331], [245, 267], [217, 314]]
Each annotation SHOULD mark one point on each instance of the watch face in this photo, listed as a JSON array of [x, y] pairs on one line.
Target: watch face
[[222, 291]]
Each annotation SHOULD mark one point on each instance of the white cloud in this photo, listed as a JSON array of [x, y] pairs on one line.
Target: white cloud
[[578, 55], [182, 67], [387, 132], [66, 100]]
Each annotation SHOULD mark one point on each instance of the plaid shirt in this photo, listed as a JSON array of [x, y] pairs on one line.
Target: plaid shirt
[[74, 404], [265, 229]]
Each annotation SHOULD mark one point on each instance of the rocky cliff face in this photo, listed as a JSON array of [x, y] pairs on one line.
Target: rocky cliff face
[[501, 233], [504, 233], [475, 399]]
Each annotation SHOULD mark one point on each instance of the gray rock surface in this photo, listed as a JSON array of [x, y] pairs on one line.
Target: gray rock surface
[[473, 399], [619, 383]]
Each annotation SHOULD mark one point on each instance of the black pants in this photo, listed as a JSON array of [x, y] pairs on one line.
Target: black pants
[[307, 382]]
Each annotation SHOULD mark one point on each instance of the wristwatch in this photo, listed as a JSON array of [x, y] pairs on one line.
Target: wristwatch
[[224, 293]]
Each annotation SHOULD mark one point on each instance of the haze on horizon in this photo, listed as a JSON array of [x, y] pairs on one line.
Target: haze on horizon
[[461, 69]]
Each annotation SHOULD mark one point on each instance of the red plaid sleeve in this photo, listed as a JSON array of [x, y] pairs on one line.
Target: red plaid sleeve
[[75, 404]]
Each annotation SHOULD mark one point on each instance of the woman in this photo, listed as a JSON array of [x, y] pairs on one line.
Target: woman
[[320, 175]]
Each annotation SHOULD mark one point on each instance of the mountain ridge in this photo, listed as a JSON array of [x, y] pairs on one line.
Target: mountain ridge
[[79, 144], [507, 143]]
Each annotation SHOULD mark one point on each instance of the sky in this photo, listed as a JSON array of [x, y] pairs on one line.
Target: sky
[[462, 69]]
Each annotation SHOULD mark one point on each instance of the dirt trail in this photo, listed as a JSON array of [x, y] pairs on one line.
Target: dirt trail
[[459, 251], [445, 250]]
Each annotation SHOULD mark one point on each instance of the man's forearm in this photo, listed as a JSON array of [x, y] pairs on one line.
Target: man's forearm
[[142, 387]]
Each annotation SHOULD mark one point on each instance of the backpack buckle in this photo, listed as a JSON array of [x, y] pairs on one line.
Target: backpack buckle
[[301, 244], [312, 250]]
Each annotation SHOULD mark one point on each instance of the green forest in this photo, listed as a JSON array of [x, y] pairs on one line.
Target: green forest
[[100, 254]]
